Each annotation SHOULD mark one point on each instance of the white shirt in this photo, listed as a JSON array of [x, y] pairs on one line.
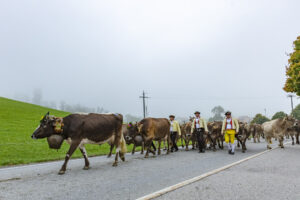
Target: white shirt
[[197, 123], [228, 126], [171, 127]]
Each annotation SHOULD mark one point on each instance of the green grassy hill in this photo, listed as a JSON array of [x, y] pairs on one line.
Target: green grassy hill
[[18, 121]]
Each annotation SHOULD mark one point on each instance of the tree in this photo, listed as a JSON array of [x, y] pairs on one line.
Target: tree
[[292, 83], [278, 115], [217, 111], [260, 119], [296, 112]]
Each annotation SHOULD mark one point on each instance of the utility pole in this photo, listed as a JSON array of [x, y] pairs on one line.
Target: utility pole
[[144, 104], [291, 96]]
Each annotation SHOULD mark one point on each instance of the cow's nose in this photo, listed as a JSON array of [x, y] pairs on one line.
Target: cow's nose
[[33, 137]]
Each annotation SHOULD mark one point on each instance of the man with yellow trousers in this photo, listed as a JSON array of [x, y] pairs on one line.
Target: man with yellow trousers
[[175, 131], [230, 127]]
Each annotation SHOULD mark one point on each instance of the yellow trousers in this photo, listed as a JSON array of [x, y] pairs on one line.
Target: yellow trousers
[[229, 136]]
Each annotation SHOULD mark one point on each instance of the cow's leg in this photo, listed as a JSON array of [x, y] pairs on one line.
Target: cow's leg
[[281, 141], [269, 141], [153, 146], [143, 146], [297, 138], [86, 161], [159, 143], [258, 137], [72, 148], [244, 146], [133, 149], [193, 144], [165, 147], [168, 143], [110, 151], [147, 150], [293, 139], [186, 141], [254, 137], [181, 137], [238, 143], [214, 144]]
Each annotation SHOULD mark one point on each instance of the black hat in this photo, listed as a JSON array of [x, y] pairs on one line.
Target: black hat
[[171, 116], [197, 112], [228, 113]]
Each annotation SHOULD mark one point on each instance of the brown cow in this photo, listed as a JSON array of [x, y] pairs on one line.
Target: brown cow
[[242, 135], [154, 129], [80, 129], [187, 135], [215, 136]]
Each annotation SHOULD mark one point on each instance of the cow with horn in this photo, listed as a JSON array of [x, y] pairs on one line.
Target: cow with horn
[[81, 129]]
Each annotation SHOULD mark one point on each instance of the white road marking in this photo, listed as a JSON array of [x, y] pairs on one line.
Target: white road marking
[[197, 178]]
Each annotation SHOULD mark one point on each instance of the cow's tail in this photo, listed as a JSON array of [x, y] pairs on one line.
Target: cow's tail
[[123, 144]]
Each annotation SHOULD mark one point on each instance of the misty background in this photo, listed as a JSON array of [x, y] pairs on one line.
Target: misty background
[[98, 56]]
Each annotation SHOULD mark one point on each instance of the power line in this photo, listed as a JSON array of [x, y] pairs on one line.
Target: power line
[[292, 104], [144, 104]]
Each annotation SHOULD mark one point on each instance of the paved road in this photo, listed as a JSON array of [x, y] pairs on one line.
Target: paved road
[[131, 179], [274, 175]]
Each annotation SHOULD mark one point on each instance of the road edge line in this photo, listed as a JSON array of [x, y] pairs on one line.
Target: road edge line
[[202, 176]]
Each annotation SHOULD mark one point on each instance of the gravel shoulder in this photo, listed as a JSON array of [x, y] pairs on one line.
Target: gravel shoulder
[[274, 175], [133, 178]]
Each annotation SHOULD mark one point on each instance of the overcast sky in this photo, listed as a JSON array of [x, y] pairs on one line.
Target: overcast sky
[[187, 55]]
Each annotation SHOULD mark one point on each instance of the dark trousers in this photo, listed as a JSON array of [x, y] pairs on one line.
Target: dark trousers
[[200, 139], [173, 138]]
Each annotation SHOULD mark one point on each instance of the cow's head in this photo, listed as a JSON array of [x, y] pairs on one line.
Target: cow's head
[[46, 127], [290, 121], [132, 131]]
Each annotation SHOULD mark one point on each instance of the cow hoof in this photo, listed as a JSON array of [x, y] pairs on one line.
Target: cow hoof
[[61, 172], [115, 164], [86, 168], [109, 155], [146, 156], [214, 149], [269, 147], [282, 147], [123, 158], [186, 149], [293, 143], [243, 151]]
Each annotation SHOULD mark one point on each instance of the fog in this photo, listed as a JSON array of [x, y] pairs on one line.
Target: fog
[[186, 55]]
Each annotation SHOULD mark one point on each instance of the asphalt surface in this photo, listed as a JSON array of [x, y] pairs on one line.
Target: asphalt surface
[[133, 178], [274, 175]]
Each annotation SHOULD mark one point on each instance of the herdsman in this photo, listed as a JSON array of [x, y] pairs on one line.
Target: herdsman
[[199, 128], [230, 127], [175, 132]]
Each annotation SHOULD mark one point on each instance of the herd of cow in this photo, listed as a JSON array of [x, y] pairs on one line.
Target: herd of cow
[[80, 129]]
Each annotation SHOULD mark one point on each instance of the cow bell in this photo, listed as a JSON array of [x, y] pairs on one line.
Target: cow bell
[[55, 141]]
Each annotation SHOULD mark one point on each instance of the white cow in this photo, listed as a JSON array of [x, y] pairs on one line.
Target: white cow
[[277, 129]]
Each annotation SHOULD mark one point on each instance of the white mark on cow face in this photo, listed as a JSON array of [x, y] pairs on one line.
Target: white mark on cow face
[[33, 136]]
